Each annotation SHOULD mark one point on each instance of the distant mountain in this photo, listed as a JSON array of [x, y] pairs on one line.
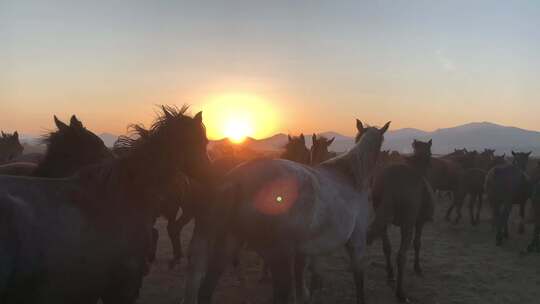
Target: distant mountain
[[473, 136]]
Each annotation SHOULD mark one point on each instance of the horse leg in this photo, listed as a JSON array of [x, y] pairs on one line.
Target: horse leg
[[227, 245], [406, 237], [417, 245], [387, 249], [479, 207], [472, 202], [521, 229], [280, 265], [314, 266], [534, 246], [356, 253], [174, 229], [302, 292], [449, 211], [459, 199]]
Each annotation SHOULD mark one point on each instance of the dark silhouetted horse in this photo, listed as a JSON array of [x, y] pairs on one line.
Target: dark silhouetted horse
[[69, 148], [319, 149], [402, 196], [505, 186], [287, 211], [296, 150], [10, 147], [534, 246], [78, 239]]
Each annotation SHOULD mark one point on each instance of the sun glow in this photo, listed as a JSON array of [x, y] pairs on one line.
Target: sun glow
[[237, 116], [237, 130]]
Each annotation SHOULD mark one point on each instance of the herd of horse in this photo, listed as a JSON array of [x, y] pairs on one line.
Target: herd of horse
[[77, 223]]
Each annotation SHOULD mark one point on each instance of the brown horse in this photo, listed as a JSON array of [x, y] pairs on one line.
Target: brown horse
[[319, 149], [286, 211], [402, 196], [534, 246], [10, 147], [505, 186], [69, 148], [77, 239], [296, 150], [472, 181]]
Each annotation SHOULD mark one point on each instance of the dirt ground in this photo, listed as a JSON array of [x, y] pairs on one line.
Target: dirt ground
[[461, 265]]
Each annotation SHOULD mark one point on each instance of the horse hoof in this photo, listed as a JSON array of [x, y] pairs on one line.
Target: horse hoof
[[403, 299]]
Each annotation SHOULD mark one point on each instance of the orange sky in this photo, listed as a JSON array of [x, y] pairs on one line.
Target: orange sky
[[307, 67]]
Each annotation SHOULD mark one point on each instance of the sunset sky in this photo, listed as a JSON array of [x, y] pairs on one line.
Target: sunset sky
[[270, 66]]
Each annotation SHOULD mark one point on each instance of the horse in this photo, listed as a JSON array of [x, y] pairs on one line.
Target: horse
[[402, 196], [319, 149], [69, 148], [287, 211], [505, 186], [85, 237], [473, 180], [295, 149], [444, 174], [10, 146], [534, 246]]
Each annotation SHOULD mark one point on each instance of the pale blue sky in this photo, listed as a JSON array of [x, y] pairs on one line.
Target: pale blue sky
[[424, 64]]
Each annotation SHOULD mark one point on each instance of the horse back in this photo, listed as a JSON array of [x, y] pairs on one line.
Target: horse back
[[509, 182], [282, 201], [19, 168]]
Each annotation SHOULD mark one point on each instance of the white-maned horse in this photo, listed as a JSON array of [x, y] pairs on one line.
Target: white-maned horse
[[287, 211]]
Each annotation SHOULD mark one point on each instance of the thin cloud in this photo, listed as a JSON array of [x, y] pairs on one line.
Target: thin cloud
[[446, 62]]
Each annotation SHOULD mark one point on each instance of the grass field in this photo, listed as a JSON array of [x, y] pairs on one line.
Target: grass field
[[461, 265]]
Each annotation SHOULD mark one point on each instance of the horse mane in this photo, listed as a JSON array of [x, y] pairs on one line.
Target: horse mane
[[139, 136], [131, 170]]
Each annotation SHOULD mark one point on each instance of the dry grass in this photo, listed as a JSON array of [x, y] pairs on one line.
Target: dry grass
[[461, 265]]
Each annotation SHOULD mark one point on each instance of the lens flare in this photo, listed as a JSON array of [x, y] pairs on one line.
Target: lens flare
[[277, 197]]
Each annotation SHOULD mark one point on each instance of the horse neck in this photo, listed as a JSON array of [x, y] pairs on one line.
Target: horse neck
[[52, 166], [353, 165]]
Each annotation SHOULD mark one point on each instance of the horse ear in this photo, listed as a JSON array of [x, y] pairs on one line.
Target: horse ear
[[75, 123], [302, 138], [59, 124], [329, 142], [385, 127], [198, 117], [313, 138], [289, 137], [16, 135], [513, 153], [529, 154], [430, 142], [3, 134], [359, 126]]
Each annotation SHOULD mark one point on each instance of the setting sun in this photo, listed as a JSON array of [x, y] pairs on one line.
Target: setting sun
[[237, 116], [237, 130]]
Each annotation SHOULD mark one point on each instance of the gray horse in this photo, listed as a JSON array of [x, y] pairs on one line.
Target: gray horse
[[286, 212]]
